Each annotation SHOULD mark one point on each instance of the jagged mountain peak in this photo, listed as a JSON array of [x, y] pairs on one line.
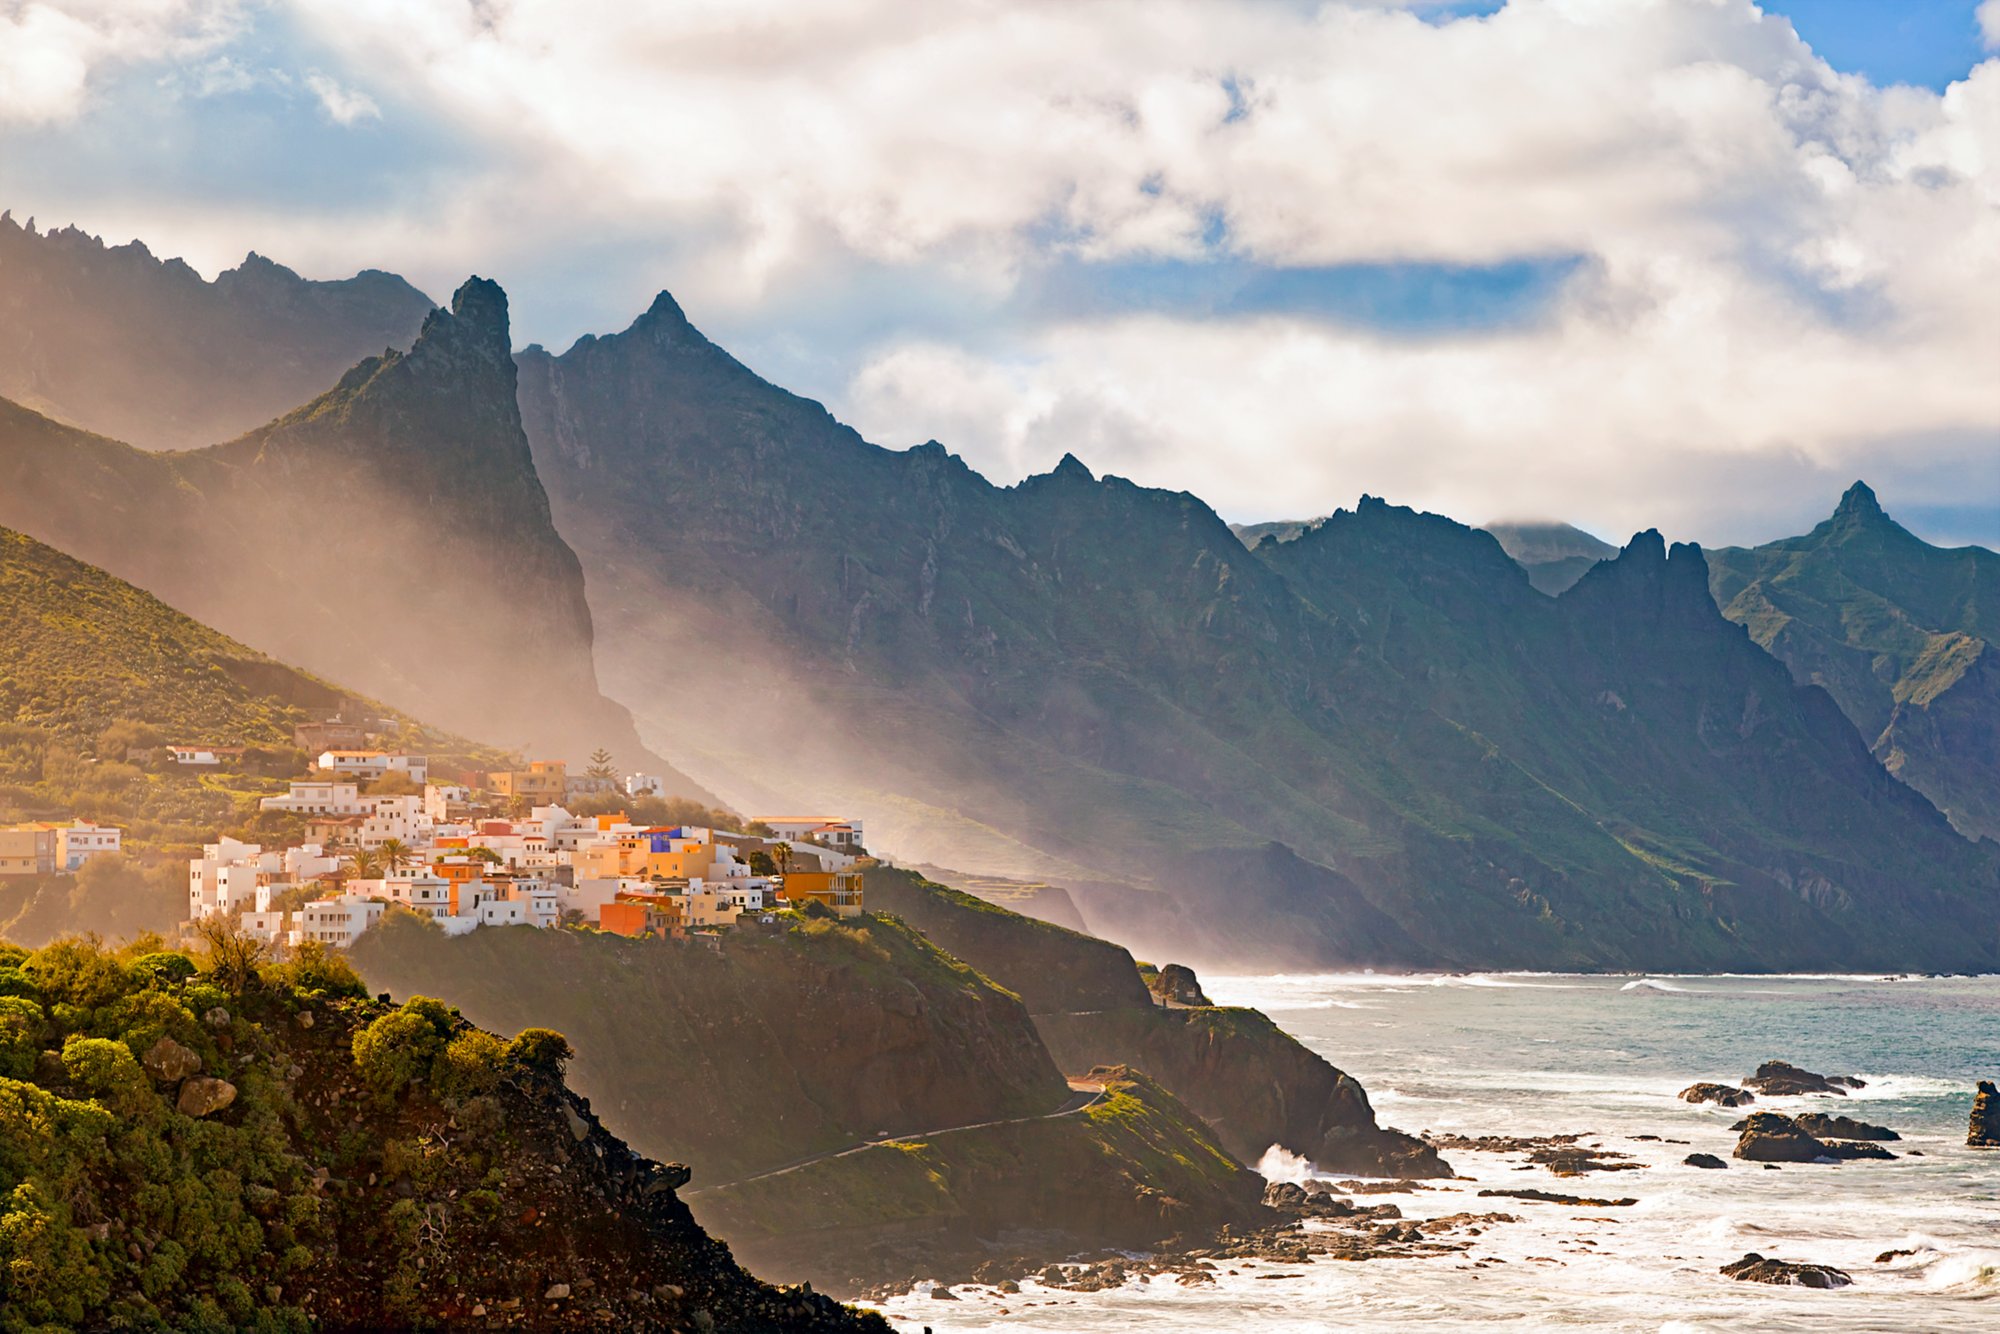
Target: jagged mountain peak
[[1859, 502], [1071, 468]]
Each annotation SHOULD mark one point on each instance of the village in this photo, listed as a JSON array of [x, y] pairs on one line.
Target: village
[[380, 834]]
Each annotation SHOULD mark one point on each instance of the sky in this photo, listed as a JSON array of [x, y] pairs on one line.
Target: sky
[[1686, 264]]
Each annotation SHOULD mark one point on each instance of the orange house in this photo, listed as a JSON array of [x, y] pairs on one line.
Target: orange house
[[838, 890], [640, 915]]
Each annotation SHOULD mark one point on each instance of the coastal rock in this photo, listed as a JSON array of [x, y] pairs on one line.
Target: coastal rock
[[1754, 1268], [1547, 1197], [1983, 1132], [1706, 1160], [199, 1097], [169, 1062], [1769, 1137], [1723, 1094], [1781, 1079], [1175, 984]]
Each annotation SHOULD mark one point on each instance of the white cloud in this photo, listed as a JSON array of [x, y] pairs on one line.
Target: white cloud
[[345, 105], [1989, 23], [1786, 271], [50, 49]]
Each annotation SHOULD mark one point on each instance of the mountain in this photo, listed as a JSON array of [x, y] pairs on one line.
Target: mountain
[[391, 533], [1373, 743], [111, 339], [1555, 555], [219, 1145], [1902, 634], [1278, 530]]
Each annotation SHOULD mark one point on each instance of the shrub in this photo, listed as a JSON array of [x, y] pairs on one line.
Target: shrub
[[471, 1065], [404, 1045], [315, 970], [22, 1025], [232, 959], [166, 968], [541, 1051], [77, 973], [110, 1072]]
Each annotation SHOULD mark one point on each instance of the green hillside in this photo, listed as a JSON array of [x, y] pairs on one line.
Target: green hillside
[[1902, 634], [97, 675]]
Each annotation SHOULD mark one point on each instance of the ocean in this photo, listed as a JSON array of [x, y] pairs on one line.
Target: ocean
[[1540, 1054]]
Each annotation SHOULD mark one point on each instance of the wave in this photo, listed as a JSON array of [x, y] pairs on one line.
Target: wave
[[1654, 984]]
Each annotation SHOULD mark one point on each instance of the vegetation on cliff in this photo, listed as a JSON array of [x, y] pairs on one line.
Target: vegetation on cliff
[[1902, 634], [217, 1143]]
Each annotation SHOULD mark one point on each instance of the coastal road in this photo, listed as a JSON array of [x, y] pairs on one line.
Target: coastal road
[[1083, 1095]]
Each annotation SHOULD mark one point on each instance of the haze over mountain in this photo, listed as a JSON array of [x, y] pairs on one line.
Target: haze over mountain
[[1375, 741], [1899, 632], [391, 533], [145, 350], [1555, 555]]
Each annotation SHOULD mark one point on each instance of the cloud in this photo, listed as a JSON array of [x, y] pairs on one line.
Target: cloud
[[1629, 261], [345, 105], [51, 49], [1989, 23]]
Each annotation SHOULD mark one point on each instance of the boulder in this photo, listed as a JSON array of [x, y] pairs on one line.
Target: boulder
[[199, 1097], [1707, 1160], [216, 1018], [1175, 984], [1781, 1079], [169, 1062], [1769, 1137], [1717, 1093], [1983, 1132], [1754, 1268]]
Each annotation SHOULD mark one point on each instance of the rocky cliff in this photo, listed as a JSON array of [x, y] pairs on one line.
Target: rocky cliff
[[1254, 1085], [1374, 742], [1899, 632], [228, 1147], [391, 534], [118, 342]]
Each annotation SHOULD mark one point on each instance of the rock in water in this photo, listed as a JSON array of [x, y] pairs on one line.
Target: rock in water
[[1707, 1160], [1754, 1268], [1717, 1093], [199, 1097], [1781, 1079], [1984, 1130], [1770, 1137], [169, 1062]]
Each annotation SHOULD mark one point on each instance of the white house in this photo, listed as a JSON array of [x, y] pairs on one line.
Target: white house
[[826, 830], [208, 756], [83, 840], [231, 877], [400, 818], [372, 764], [320, 797], [645, 785], [265, 926], [446, 802], [420, 891], [338, 922]]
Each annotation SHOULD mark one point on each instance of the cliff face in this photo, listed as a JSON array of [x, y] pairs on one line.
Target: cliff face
[[230, 1149], [1375, 742], [1899, 632], [111, 339], [391, 533], [778, 1047], [1130, 1170], [1250, 1082]]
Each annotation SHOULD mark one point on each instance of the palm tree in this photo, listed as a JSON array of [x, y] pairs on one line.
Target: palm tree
[[367, 863], [781, 853], [395, 854]]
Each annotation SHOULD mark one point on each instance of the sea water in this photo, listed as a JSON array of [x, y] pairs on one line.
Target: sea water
[[1521, 1054]]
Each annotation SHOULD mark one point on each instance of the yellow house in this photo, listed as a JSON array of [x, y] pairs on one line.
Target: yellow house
[[838, 890], [30, 849], [542, 782]]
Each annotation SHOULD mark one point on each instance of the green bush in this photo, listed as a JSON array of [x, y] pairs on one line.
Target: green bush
[[165, 967], [470, 1065], [315, 970], [540, 1051], [22, 1026], [405, 1045], [109, 1072]]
